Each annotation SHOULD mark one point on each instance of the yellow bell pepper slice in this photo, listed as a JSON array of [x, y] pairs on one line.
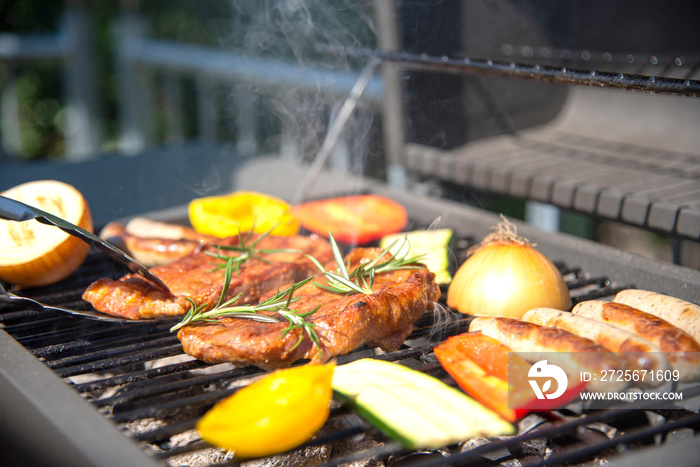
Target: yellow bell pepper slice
[[274, 414], [227, 215]]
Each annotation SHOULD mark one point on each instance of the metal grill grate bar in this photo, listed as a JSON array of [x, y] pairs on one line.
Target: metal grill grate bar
[[160, 388], [99, 340], [111, 352], [135, 376], [578, 453], [535, 72], [128, 359], [161, 434], [168, 408]]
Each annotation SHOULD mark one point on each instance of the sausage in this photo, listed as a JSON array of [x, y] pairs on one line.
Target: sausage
[[682, 351], [147, 228], [153, 243], [682, 314], [573, 353], [637, 352]]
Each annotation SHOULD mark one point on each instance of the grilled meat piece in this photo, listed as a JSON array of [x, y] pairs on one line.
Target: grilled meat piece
[[342, 323], [193, 276]]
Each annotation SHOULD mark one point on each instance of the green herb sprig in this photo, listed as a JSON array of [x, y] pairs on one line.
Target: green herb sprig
[[246, 251], [279, 303], [298, 321], [361, 279]]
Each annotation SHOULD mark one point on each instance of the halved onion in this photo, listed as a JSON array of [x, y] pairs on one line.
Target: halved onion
[[34, 254], [506, 276]]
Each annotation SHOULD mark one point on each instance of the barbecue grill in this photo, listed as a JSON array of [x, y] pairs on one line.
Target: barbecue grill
[[84, 393], [103, 393]]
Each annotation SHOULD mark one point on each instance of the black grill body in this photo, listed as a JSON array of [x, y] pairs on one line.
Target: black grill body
[[80, 392]]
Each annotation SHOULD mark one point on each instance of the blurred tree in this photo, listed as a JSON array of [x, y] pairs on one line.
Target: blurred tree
[[38, 84]]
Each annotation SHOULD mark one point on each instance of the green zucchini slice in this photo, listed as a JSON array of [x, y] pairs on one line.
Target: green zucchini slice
[[417, 410], [434, 245]]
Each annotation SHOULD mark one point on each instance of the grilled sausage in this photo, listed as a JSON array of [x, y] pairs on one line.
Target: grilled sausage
[[147, 228], [682, 314], [154, 243], [682, 351], [573, 353], [637, 352]]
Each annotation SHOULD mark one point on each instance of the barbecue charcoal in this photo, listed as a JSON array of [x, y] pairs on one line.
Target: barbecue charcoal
[[433, 456]]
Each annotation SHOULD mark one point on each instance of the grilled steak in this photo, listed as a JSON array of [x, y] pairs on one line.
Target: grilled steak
[[342, 323], [193, 276]]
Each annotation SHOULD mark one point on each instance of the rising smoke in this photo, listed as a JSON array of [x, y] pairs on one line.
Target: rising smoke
[[309, 34]]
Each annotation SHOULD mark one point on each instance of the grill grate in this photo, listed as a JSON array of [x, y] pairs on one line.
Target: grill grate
[[137, 376], [574, 72]]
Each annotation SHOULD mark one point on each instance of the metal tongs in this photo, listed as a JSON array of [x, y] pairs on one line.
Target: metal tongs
[[12, 299], [13, 210]]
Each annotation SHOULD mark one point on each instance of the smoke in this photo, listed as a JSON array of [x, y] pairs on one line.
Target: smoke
[[444, 322], [306, 33], [294, 29]]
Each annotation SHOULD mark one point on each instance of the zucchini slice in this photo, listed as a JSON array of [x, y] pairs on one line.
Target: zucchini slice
[[434, 245], [417, 410]]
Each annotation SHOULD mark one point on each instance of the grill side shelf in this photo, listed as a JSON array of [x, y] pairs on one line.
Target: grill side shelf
[[45, 422], [652, 197]]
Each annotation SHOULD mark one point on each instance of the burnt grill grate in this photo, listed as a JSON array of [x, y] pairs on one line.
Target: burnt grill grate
[[137, 376]]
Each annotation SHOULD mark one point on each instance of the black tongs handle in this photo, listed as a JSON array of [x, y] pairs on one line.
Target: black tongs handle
[[13, 210]]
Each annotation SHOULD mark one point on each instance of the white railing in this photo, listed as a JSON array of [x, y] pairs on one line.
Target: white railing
[[139, 59], [138, 55]]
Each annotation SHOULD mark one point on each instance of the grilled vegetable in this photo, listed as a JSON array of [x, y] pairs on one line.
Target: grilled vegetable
[[241, 211], [358, 219], [506, 276], [35, 254], [680, 313], [485, 379], [415, 409], [274, 414], [483, 368], [432, 245]]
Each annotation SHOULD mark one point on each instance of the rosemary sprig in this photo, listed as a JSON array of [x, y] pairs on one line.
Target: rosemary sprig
[[280, 303], [298, 321], [361, 279], [246, 251]]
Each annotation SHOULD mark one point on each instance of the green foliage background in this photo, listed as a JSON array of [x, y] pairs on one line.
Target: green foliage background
[[272, 28]]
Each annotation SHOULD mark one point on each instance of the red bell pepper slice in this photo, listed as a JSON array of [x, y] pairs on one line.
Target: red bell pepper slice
[[480, 366], [356, 219]]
